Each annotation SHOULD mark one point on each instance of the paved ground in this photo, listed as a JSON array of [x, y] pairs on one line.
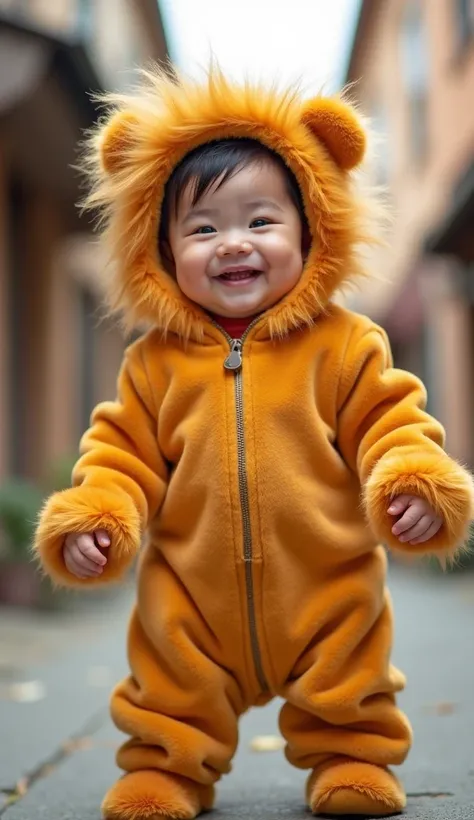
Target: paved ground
[[57, 745]]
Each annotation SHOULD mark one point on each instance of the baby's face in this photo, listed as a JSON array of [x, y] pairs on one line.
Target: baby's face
[[238, 251]]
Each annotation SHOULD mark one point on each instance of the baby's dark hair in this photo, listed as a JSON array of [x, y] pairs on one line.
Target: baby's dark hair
[[220, 160]]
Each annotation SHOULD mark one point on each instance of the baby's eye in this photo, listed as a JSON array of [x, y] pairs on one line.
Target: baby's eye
[[205, 229], [260, 222]]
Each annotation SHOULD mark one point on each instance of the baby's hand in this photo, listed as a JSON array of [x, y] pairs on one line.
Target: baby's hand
[[418, 521], [81, 555]]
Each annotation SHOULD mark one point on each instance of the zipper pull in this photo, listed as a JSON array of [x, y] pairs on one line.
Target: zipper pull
[[234, 359]]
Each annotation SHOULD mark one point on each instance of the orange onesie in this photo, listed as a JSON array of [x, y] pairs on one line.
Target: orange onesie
[[260, 471]]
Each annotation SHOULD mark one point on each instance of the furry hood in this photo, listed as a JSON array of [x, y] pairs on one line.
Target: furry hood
[[133, 150]]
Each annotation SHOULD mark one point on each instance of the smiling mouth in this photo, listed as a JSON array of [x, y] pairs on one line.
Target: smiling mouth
[[243, 275]]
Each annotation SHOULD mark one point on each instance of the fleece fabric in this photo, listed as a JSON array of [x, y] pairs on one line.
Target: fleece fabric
[[260, 494]]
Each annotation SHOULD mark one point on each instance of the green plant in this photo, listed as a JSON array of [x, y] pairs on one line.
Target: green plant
[[20, 503], [59, 475], [463, 563]]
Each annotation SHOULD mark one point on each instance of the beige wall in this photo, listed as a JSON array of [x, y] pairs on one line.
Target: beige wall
[[452, 94], [55, 15], [43, 226], [448, 321], [117, 32], [454, 321], [59, 375], [117, 43], [110, 345], [419, 191], [61, 401]]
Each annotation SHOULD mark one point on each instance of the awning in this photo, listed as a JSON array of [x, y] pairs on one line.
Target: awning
[[45, 105]]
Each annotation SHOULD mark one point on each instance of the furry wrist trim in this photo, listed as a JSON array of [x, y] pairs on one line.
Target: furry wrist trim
[[85, 509], [444, 483]]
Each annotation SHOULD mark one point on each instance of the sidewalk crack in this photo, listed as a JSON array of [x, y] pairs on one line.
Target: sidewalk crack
[[76, 742]]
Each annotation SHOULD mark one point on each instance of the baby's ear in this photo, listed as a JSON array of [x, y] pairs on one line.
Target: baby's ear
[[338, 127], [116, 138]]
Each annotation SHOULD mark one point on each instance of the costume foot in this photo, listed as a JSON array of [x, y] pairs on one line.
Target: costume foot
[[344, 786], [150, 794]]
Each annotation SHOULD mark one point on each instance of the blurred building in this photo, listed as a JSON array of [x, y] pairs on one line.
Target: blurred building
[[58, 357], [412, 65]]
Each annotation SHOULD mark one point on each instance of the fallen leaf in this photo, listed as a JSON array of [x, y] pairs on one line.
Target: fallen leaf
[[25, 692], [266, 743], [79, 744], [21, 787], [442, 708]]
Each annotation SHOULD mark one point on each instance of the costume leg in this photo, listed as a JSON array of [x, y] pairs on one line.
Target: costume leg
[[180, 710], [340, 717]]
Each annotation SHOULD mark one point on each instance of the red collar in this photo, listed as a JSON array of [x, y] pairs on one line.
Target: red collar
[[234, 327]]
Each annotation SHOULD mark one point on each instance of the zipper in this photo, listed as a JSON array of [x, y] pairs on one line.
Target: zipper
[[233, 362]]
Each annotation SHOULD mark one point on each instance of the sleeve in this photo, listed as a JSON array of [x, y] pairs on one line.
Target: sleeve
[[119, 481], [385, 435]]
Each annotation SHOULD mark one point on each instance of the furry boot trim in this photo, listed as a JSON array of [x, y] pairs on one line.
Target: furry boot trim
[[343, 786], [150, 794]]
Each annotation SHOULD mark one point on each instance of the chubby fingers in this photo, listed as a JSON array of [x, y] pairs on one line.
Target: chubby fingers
[[418, 522], [399, 504], [414, 511], [102, 538], [82, 557], [434, 527]]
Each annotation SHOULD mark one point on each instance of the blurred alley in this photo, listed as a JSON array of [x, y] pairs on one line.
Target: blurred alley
[[409, 67]]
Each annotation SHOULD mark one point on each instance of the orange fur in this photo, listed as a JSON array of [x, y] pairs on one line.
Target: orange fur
[[447, 487], [344, 786], [323, 419], [132, 154], [338, 128], [149, 795], [85, 509]]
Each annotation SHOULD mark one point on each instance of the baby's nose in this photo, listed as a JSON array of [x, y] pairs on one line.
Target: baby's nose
[[234, 245]]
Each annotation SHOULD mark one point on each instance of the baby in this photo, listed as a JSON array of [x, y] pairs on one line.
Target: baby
[[263, 442]]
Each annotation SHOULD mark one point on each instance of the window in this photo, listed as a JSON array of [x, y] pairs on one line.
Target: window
[[464, 10], [415, 76]]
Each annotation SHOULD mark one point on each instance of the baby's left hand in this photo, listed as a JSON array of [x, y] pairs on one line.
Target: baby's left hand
[[418, 521]]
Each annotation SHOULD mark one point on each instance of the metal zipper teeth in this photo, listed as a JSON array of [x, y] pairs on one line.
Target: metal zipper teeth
[[245, 510]]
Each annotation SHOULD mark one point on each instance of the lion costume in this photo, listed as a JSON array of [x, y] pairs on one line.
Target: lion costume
[[260, 469]]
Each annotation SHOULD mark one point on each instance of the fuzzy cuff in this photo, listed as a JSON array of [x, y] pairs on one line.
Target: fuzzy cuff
[[447, 486], [85, 509], [151, 793], [351, 787]]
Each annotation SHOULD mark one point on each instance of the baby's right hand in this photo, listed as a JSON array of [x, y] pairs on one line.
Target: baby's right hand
[[81, 555]]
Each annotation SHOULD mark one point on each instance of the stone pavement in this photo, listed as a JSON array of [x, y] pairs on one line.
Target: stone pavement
[[57, 744]]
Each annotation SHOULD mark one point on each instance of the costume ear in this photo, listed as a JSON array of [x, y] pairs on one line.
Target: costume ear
[[115, 139], [336, 125]]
